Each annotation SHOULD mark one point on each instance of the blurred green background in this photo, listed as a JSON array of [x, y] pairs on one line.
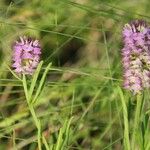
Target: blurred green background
[[83, 40]]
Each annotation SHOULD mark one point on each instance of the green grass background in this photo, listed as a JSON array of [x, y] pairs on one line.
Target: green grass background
[[83, 40]]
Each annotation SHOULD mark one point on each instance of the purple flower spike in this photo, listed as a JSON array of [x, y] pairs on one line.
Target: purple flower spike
[[136, 56], [26, 55]]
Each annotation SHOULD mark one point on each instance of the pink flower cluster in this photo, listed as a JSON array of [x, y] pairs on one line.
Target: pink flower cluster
[[26, 55], [136, 56]]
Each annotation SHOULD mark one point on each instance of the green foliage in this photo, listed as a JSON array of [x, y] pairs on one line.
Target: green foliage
[[77, 102]]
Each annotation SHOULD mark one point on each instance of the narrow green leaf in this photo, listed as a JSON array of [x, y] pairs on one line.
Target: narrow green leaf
[[148, 146], [13, 73], [45, 143], [51, 147], [66, 132], [125, 116], [41, 83], [34, 80], [59, 140], [10, 120]]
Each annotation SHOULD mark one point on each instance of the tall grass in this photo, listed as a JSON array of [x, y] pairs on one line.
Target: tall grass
[[75, 98]]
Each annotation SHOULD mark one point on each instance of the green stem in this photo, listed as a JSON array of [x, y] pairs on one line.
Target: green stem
[[45, 142], [37, 123], [136, 120]]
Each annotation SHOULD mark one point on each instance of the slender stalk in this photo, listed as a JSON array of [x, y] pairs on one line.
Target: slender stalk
[[29, 98], [45, 142], [136, 120], [37, 123]]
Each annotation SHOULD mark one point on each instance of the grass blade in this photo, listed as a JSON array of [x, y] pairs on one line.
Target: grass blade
[[41, 83], [125, 116], [13, 73], [34, 80]]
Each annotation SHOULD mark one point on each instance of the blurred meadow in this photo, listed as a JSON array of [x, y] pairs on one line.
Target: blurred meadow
[[79, 106]]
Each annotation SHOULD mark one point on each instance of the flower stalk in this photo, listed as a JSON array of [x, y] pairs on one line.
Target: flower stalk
[[26, 56]]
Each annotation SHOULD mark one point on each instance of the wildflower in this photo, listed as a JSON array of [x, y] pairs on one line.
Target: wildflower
[[26, 55], [136, 56]]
